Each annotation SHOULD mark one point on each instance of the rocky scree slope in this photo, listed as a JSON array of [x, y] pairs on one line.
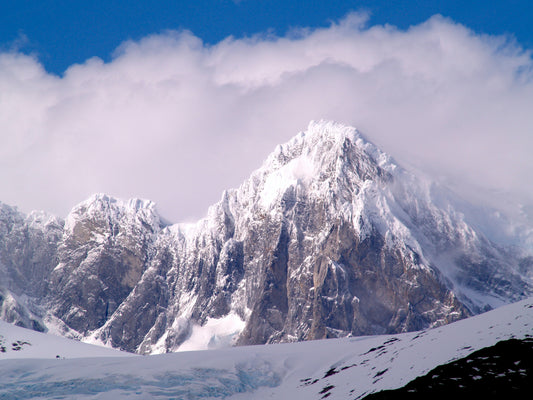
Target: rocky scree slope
[[329, 238]]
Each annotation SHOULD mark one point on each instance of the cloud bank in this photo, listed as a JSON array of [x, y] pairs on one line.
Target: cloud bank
[[176, 121]]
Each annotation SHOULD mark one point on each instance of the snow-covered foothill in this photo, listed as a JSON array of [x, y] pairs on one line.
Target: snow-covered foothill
[[22, 343]]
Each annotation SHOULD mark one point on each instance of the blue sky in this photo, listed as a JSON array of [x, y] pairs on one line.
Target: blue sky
[[154, 100], [64, 32]]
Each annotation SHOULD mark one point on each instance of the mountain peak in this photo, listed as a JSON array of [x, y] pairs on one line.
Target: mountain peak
[[320, 136], [101, 212], [327, 157], [326, 142], [99, 200], [331, 130], [101, 204]]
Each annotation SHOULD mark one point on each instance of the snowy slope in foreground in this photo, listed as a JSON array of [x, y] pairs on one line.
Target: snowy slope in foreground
[[16, 342], [341, 368]]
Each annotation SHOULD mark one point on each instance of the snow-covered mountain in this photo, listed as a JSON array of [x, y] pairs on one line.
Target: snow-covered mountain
[[347, 368], [329, 238]]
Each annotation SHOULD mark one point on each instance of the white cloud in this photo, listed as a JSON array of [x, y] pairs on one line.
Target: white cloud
[[176, 121]]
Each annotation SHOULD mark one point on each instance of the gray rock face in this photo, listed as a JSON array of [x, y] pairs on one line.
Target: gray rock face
[[328, 238], [101, 258], [28, 253]]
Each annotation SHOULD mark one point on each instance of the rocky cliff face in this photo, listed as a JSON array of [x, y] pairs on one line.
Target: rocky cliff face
[[28, 253], [103, 253], [328, 238]]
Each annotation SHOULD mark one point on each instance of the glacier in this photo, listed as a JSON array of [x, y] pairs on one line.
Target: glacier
[[342, 368]]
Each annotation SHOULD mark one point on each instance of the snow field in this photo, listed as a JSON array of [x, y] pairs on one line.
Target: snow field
[[338, 368]]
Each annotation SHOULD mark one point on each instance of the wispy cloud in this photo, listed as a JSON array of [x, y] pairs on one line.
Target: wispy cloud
[[176, 121]]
